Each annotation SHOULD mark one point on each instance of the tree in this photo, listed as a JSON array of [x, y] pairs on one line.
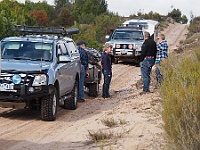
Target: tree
[[40, 16], [64, 18], [91, 8], [191, 16], [63, 3], [194, 25], [150, 15], [176, 15], [30, 7], [11, 12], [184, 19]]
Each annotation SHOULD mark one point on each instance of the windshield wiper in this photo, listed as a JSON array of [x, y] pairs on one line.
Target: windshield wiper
[[39, 59], [31, 59], [22, 58]]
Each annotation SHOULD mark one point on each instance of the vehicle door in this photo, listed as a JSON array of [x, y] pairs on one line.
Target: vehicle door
[[72, 49], [64, 70]]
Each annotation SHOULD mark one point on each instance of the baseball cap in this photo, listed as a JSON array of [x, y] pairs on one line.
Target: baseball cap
[[80, 42]]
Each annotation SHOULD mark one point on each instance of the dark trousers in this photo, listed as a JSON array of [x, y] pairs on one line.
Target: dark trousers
[[146, 66], [106, 84]]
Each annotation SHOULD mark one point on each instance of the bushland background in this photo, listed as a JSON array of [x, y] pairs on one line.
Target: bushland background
[[92, 17]]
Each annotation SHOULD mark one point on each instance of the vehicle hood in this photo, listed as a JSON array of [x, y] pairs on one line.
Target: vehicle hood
[[126, 41], [24, 65]]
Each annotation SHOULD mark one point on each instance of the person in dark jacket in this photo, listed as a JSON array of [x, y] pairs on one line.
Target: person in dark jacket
[[147, 60], [84, 68], [107, 70]]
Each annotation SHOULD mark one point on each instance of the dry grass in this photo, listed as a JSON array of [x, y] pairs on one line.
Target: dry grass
[[100, 135], [105, 135], [109, 122], [122, 121]]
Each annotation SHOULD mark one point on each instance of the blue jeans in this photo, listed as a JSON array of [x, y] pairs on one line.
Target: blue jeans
[[81, 83], [159, 77], [106, 84], [146, 66]]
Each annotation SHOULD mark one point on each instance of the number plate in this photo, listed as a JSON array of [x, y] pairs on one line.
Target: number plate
[[123, 51], [6, 87]]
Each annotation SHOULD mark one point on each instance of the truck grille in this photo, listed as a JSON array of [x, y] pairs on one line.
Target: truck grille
[[27, 79], [123, 46]]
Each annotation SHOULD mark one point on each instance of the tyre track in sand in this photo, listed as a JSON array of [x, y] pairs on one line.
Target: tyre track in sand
[[174, 34]]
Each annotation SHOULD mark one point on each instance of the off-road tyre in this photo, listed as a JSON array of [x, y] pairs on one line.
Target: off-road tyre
[[71, 103], [137, 61], [137, 64], [49, 106], [93, 89], [116, 60]]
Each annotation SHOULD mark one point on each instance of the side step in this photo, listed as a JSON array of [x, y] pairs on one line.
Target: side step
[[62, 99]]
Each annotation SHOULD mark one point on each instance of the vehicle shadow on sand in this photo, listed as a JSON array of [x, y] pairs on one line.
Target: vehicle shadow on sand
[[20, 114]]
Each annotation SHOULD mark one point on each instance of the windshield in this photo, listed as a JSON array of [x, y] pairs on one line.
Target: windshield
[[126, 34], [26, 50]]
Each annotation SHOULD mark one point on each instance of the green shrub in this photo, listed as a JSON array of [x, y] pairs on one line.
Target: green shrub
[[181, 101]]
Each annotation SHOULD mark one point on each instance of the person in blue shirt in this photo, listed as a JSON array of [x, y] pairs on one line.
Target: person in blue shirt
[[84, 68], [107, 70], [162, 50]]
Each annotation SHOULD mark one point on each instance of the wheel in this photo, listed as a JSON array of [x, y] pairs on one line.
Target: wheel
[[49, 106], [137, 64], [116, 60], [137, 61], [93, 89], [71, 103], [99, 76]]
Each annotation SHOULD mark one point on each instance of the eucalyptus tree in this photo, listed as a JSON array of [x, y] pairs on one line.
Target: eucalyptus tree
[[85, 11]]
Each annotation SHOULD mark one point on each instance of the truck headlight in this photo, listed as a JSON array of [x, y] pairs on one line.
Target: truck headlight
[[40, 79], [138, 46], [130, 46], [117, 45]]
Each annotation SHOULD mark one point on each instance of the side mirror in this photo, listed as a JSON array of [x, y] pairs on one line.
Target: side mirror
[[64, 59]]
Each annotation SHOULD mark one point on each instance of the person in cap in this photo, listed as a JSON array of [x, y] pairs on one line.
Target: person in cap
[[84, 68], [147, 60], [106, 69]]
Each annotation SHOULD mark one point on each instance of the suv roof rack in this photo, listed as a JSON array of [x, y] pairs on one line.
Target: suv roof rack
[[45, 30], [136, 26]]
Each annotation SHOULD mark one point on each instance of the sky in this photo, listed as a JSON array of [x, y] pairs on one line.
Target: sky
[[128, 7]]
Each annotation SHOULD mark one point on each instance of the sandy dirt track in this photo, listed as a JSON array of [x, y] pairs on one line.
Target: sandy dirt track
[[140, 114]]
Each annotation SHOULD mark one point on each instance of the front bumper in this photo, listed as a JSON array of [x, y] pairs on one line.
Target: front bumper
[[131, 53], [24, 92]]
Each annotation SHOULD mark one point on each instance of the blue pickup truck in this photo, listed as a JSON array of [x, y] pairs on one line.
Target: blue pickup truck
[[40, 70]]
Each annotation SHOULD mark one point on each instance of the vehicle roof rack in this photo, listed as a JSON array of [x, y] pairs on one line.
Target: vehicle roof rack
[[45, 30], [131, 26]]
